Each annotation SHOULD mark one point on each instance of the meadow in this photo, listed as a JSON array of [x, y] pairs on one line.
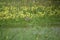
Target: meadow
[[29, 21], [34, 15]]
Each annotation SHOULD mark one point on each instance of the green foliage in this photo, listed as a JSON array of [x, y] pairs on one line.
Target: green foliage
[[33, 14], [29, 20]]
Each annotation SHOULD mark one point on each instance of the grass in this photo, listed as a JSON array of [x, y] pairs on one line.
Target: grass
[[35, 33], [29, 22], [34, 29]]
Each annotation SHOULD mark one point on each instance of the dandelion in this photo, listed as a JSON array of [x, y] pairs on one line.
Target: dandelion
[[6, 12], [27, 14], [22, 15], [41, 14]]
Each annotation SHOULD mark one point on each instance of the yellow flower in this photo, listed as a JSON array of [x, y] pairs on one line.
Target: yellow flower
[[6, 12], [27, 14], [22, 15], [41, 14]]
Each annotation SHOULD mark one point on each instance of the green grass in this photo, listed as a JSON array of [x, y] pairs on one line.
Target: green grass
[[35, 33], [35, 29], [21, 20]]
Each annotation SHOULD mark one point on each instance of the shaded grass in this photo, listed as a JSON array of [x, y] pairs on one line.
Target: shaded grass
[[37, 21], [35, 33]]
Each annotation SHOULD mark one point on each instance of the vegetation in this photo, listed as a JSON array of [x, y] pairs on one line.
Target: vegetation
[[29, 20], [11, 13]]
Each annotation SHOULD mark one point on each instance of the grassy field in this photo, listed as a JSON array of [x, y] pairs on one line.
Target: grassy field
[[29, 20], [35, 33]]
